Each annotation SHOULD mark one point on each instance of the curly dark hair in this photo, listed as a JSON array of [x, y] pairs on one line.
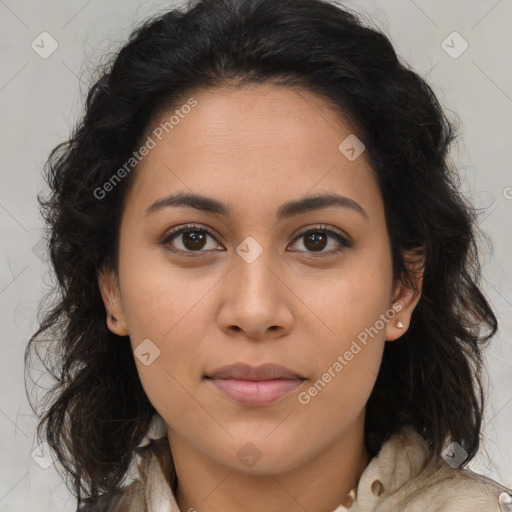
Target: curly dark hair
[[431, 378]]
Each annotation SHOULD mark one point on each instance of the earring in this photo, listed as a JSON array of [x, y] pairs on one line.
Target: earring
[[399, 324], [114, 319]]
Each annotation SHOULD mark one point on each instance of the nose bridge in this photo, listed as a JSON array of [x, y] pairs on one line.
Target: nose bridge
[[253, 276], [255, 299]]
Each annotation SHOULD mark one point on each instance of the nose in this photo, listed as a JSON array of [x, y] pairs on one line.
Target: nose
[[255, 300]]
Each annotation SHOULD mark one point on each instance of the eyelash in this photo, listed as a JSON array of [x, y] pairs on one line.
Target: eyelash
[[317, 229]]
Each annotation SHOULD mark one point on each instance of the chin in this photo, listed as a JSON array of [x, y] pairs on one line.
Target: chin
[[260, 456]]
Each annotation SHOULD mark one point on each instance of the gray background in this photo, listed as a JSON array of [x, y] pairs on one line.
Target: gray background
[[41, 99]]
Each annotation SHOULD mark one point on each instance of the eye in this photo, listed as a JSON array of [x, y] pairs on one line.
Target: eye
[[316, 239], [191, 237]]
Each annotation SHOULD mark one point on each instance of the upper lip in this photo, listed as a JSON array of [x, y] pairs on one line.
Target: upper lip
[[243, 371]]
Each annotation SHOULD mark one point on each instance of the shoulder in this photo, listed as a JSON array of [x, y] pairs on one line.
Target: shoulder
[[402, 477], [129, 498], [459, 489]]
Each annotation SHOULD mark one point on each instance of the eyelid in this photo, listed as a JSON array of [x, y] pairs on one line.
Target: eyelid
[[344, 241], [322, 227], [187, 227]]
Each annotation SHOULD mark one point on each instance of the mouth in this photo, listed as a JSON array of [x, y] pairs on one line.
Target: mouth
[[255, 385]]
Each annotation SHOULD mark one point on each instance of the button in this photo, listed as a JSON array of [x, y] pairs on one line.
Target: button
[[505, 501], [378, 488]]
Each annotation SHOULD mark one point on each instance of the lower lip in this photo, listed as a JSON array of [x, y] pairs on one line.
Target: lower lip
[[256, 392]]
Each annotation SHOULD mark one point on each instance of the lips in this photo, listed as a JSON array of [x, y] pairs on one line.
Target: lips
[[247, 372], [255, 385]]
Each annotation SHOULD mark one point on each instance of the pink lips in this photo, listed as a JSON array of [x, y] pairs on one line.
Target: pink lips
[[255, 385]]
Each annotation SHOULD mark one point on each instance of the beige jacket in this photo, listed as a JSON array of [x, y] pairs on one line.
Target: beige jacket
[[399, 479]]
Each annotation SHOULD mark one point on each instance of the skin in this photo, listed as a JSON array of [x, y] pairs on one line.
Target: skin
[[255, 148]]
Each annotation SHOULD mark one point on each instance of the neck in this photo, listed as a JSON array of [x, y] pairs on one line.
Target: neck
[[319, 485]]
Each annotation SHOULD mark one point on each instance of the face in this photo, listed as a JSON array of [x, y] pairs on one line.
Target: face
[[250, 282]]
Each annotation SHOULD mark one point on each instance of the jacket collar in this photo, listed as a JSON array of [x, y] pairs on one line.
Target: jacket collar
[[402, 458]]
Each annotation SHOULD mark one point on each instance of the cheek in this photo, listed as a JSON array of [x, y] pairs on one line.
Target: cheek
[[352, 311], [349, 353], [159, 297], [163, 310], [341, 392], [348, 304], [172, 327]]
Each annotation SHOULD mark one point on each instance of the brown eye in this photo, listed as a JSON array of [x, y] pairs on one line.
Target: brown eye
[[317, 239], [189, 239], [194, 240]]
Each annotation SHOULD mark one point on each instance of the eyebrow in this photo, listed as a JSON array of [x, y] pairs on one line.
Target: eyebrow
[[287, 210]]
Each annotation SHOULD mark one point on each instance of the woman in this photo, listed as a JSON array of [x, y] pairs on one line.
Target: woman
[[269, 279]]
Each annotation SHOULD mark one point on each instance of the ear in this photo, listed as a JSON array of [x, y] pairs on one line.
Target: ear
[[110, 293], [406, 296]]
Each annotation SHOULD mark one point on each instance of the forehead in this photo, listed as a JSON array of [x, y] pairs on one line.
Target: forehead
[[263, 140]]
